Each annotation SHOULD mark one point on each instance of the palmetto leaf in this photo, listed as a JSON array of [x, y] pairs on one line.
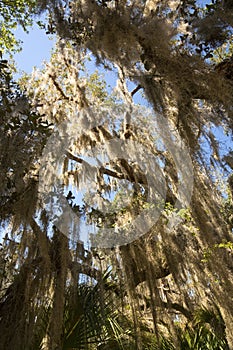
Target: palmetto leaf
[[91, 317]]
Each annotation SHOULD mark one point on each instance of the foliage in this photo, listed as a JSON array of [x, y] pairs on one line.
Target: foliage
[[21, 126], [14, 13], [206, 331], [91, 319], [179, 54]]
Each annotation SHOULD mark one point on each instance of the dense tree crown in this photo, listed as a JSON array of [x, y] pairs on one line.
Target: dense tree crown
[[13, 14], [116, 201]]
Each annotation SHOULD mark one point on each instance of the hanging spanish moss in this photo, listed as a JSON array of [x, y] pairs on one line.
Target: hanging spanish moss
[[117, 214]]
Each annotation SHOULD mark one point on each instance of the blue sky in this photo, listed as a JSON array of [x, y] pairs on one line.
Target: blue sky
[[36, 48]]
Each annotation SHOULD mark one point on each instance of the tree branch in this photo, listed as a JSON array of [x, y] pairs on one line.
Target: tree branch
[[127, 176], [77, 267], [58, 87], [136, 90], [179, 308]]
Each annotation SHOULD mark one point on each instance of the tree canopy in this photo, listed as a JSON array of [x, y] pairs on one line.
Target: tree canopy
[[14, 14], [116, 201]]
